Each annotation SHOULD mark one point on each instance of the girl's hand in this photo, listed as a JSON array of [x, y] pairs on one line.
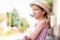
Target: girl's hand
[[26, 38]]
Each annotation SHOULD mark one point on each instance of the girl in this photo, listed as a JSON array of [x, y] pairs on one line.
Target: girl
[[40, 12]]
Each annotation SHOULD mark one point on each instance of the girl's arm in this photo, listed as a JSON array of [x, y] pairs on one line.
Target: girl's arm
[[38, 30]]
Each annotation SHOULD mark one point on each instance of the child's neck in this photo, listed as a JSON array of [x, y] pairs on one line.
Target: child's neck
[[41, 18]]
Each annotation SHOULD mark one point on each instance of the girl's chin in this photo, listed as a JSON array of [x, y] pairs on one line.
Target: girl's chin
[[36, 17]]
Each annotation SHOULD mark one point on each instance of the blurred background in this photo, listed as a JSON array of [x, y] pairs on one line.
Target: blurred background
[[16, 17]]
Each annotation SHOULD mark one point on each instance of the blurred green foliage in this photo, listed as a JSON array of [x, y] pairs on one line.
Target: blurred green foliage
[[9, 32], [23, 24], [50, 5], [17, 21]]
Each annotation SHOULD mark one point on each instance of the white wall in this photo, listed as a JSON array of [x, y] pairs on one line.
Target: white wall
[[57, 16]]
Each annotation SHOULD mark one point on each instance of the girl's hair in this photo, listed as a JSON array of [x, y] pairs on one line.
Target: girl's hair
[[46, 15]]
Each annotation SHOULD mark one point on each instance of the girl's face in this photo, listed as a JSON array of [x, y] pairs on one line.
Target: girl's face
[[37, 12]]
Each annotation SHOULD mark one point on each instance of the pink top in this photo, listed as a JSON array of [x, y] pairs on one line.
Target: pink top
[[43, 34]]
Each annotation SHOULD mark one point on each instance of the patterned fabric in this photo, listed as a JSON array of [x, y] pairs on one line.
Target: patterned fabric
[[43, 34]]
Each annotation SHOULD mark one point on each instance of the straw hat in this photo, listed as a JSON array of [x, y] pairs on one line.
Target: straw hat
[[42, 3]]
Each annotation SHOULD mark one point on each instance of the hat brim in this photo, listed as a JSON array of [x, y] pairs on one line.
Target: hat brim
[[47, 10]]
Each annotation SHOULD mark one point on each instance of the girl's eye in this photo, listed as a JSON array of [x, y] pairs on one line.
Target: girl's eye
[[35, 9]]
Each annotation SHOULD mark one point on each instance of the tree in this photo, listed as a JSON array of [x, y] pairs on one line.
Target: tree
[[23, 24], [14, 18]]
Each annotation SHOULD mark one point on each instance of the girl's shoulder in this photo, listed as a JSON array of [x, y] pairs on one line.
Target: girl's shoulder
[[44, 21]]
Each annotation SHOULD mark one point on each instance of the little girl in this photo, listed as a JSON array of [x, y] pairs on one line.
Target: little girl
[[40, 12]]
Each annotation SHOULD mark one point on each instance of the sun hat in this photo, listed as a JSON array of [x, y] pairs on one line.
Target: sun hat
[[42, 3]]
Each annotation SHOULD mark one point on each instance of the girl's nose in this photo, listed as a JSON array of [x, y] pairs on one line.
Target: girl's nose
[[33, 12]]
